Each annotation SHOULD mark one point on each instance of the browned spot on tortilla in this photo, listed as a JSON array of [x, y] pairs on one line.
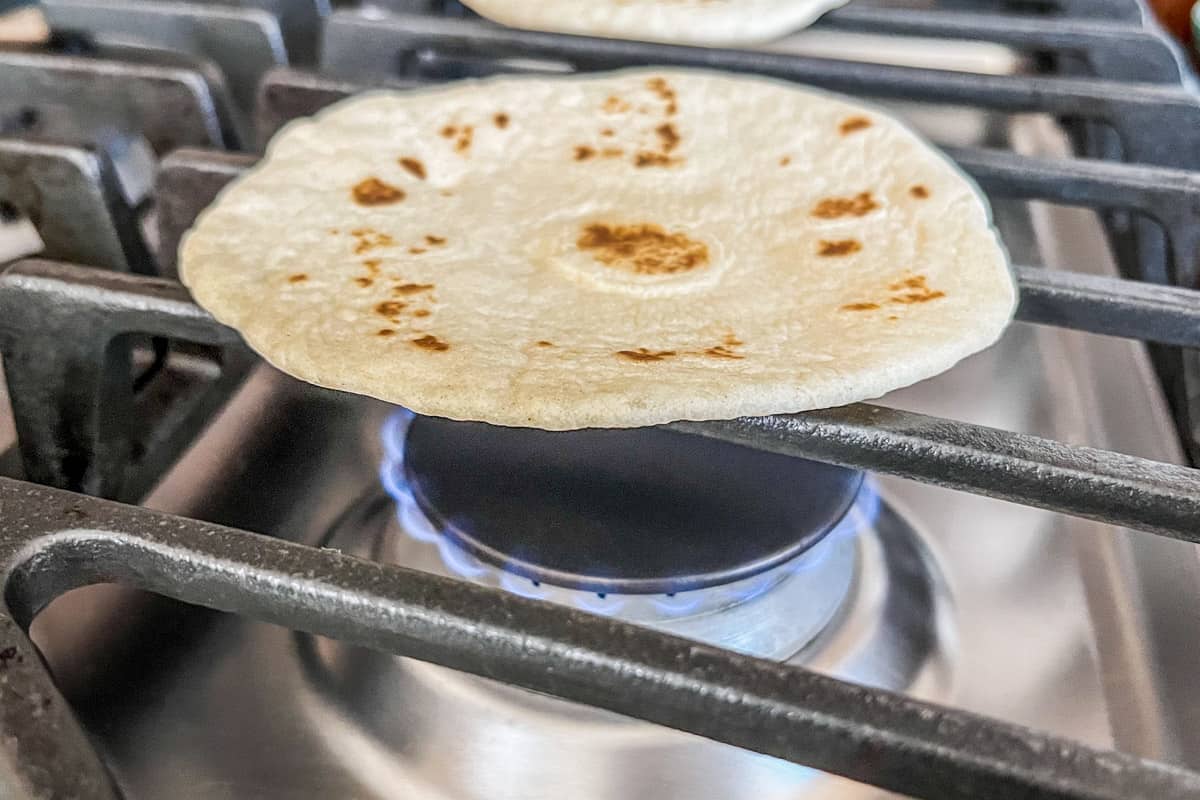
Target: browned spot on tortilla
[[385, 332], [783, 162], [412, 288], [364, 282], [369, 238], [919, 191], [720, 351], [642, 354], [853, 125], [892, 318], [544, 343], [914, 289], [665, 93], [449, 132], [374, 192], [668, 136], [860, 307], [463, 143], [372, 265], [727, 349], [583, 152], [859, 205], [414, 167], [416, 251], [608, 132], [644, 249], [430, 342], [842, 247], [500, 120], [299, 277], [648, 158], [389, 308], [421, 312], [446, 193], [434, 241], [612, 152], [615, 105]]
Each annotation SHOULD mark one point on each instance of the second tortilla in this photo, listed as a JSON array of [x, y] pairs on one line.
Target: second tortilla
[[701, 22]]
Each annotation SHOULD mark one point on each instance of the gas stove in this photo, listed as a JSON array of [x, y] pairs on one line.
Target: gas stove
[[978, 586]]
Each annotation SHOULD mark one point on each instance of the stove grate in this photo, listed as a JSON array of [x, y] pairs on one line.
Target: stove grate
[[58, 323]]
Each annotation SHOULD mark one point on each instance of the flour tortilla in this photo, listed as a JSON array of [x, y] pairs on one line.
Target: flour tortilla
[[608, 251], [701, 22]]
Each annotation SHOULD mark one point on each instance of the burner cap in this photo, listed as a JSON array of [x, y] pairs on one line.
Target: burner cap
[[637, 511]]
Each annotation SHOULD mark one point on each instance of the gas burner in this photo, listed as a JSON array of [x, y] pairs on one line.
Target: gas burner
[[644, 511], [715, 542]]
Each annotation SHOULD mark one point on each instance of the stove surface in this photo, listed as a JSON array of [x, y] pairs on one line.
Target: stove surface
[[1062, 624]]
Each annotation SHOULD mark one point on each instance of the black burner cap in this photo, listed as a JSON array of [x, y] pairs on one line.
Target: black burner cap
[[637, 511]]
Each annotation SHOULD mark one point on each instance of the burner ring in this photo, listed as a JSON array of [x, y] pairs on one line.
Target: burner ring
[[639, 511]]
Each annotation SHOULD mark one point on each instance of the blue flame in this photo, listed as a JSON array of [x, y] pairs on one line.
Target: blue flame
[[603, 604], [752, 588], [522, 586], [460, 562], [416, 524], [678, 605], [390, 475]]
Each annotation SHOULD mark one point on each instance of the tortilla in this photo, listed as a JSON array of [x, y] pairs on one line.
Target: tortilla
[[701, 22], [613, 250]]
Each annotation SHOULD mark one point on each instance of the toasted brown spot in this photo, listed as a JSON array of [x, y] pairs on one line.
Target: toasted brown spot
[[720, 351], [421, 312], [389, 308], [642, 354], [364, 282], [430, 342], [665, 93], [920, 192], [434, 241], [299, 277], [668, 136], [412, 288], [374, 192], [368, 239], [500, 120], [385, 332], [612, 152], [416, 251], [648, 158], [892, 318], [836, 207], [608, 132], [615, 105], [414, 167], [914, 289], [731, 340], [854, 124], [783, 162], [860, 307], [544, 343], [583, 152], [644, 249], [449, 132], [842, 247], [463, 143]]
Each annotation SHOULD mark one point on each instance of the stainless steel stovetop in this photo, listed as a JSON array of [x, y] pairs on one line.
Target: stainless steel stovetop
[[1076, 627]]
